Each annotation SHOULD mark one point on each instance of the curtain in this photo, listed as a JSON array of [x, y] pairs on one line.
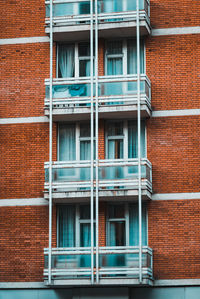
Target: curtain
[[67, 149], [133, 140], [132, 57], [63, 9], [134, 225], [85, 151], [112, 6], [66, 226], [66, 61], [131, 5]]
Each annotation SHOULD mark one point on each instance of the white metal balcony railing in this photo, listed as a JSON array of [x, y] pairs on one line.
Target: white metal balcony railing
[[77, 12], [121, 174], [112, 91], [114, 262]]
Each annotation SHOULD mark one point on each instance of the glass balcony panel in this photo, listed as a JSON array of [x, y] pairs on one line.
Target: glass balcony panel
[[110, 177], [125, 264], [110, 6], [69, 9], [120, 172], [69, 91], [70, 266], [78, 174]]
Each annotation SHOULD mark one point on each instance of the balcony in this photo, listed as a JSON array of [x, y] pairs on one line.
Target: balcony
[[118, 180], [117, 265], [117, 97], [115, 19]]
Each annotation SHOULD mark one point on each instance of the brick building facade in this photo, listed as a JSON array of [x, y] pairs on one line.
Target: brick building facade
[[147, 241]]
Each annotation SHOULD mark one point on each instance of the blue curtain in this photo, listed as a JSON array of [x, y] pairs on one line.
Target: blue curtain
[[132, 57], [134, 225], [66, 226], [63, 9], [133, 140], [112, 6]]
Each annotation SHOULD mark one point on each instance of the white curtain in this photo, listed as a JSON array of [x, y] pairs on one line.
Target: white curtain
[[67, 149], [66, 60]]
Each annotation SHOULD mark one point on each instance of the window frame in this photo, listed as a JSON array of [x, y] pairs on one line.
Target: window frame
[[124, 55], [77, 60]]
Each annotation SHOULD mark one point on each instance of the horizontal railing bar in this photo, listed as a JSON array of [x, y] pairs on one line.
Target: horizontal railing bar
[[102, 250], [102, 79], [102, 99], [103, 162], [73, 20]]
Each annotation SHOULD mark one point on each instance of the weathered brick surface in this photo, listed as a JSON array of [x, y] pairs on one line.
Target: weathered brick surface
[[22, 18], [173, 149], [174, 234], [173, 64], [24, 235], [23, 71], [24, 149], [173, 13]]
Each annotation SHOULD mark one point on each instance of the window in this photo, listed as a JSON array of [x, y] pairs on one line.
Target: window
[[122, 140], [123, 230], [121, 57], [73, 60], [74, 142], [122, 227]]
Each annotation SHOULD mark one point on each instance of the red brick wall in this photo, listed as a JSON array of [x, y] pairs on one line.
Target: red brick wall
[[23, 71], [24, 149], [24, 235], [173, 64], [174, 234], [22, 18], [174, 13], [173, 149]]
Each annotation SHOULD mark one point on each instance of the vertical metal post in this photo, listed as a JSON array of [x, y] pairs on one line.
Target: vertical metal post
[[97, 142], [92, 142], [139, 139], [50, 142]]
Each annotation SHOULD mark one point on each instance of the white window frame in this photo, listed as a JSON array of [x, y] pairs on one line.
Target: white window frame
[[77, 58]]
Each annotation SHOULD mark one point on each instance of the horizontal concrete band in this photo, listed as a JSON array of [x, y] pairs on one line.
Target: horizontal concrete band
[[23, 120], [156, 283], [162, 113], [175, 31], [24, 40], [155, 32], [23, 202], [41, 201]]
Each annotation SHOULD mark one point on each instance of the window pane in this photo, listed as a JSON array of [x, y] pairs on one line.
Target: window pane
[[84, 68], [84, 130], [114, 66], [117, 233], [84, 49], [116, 211], [114, 47], [115, 128], [84, 212], [115, 149]]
